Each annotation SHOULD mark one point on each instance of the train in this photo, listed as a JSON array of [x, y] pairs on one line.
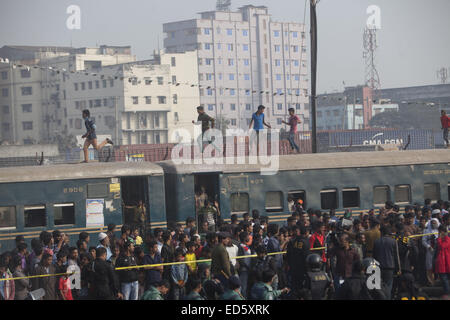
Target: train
[[87, 197]]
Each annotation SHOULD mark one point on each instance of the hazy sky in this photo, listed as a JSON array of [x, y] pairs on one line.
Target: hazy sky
[[414, 38]]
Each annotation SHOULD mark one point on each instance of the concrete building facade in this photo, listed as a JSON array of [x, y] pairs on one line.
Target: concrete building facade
[[244, 60]]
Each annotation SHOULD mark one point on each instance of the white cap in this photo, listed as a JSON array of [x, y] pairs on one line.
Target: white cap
[[102, 236], [436, 211]]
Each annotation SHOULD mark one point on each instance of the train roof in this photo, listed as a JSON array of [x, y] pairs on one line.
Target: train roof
[[91, 170], [322, 161]]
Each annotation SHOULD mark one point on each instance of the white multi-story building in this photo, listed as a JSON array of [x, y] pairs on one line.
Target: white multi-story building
[[33, 99], [244, 60], [151, 99]]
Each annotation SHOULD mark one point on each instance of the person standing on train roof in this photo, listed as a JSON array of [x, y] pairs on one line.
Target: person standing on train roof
[[293, 121], [445, 122], [205, 120], [258, 125], [90, 135]]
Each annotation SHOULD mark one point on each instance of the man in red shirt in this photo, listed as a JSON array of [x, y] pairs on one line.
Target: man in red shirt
[[317, 240], [293, 121], [445, 122]]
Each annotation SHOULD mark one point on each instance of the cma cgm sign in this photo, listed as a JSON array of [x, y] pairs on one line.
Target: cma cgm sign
[[375, 141]]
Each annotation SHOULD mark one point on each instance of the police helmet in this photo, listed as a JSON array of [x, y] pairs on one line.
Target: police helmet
[[313, 261], [367, 262]]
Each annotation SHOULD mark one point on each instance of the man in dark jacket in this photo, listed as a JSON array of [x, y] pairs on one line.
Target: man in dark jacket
[[129, 284], [106, 286], [47, 283], [385, 252], [220, 264], [167, 253], [244, 264], [297, 251]]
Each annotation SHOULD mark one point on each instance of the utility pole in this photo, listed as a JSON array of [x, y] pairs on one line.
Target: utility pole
[[313, 31]]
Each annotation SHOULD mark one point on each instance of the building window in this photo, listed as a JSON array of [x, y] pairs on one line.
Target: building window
[[207, 46], [76, 86], [232, 92], [303, 49], [97, 84], [27, 91], [97, 103], [27, 125], [297, 106], [148, 100], [274, 201], [35, 216], [111, 83], [206, 31], [277, 48], [231, 76], [25, 73], [26, 108], [230, 47], [209, 92], [295, 48], [208, 61], [233, 107], [200, 61], [230, 32], [279, 121], [220, 76], [90, 85], [231, 62], [233, 122], [350, 198], [210, 107], [162, 99], [295, 34], [83, 86], [277, 62], [105, 102], [219, 46], [245, 32], [402, 194], [248, 106], [77, 123], [432, 191], [7, 217], [175, 99], [280, 106], [276, 33], [246, 62], [5, 109], [245, 47], [64, 214], [246, 76], [328, 199], [160, 80], [4, 75], [135, 100], [278, 76]]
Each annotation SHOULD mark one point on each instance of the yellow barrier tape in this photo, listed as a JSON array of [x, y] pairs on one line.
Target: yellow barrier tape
[[38, 276]]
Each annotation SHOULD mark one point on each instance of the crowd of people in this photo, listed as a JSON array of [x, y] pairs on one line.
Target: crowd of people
[[326, 257]]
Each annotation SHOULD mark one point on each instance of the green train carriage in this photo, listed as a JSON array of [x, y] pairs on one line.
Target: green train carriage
[[355, 181], [76, 198]]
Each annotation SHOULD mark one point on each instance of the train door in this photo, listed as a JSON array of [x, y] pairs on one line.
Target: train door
[[206, 187], [134, 190]]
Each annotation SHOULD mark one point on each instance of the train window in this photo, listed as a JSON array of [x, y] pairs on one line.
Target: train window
[[381, 194], [296, 195], [274, 201], [35, 216], [328, 199], [350, 198], [402, 194], [240, 203], [7, 217], [432, 191], [64, 213]]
